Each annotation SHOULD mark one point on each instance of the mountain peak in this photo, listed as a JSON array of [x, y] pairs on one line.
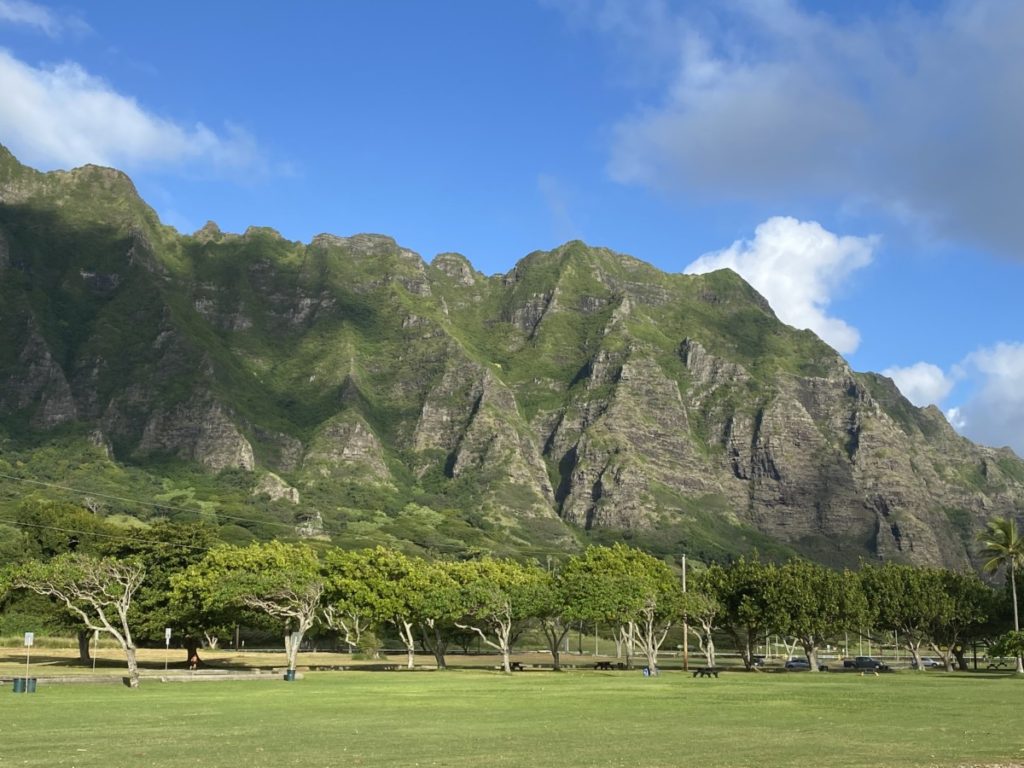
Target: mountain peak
[[585, 393]]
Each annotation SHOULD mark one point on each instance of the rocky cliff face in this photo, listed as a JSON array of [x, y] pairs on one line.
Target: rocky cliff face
[[346, 381]]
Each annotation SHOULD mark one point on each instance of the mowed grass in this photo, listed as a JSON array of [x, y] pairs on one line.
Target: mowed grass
[[475, 717]]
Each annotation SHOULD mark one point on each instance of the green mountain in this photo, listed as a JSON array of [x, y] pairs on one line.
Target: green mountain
[[345, 388]]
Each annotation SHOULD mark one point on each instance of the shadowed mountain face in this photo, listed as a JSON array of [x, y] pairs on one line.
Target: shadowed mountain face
[[345, 388]]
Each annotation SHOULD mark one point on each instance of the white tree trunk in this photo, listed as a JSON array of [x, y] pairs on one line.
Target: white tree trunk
[[133, 667], [1016, 618], [502, 631], [405, 631], [705, 641]]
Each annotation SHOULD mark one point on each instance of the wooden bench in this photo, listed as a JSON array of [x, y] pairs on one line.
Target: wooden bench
[[706, 672]]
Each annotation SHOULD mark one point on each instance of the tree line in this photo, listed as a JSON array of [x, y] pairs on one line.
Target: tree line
[[179, 576]]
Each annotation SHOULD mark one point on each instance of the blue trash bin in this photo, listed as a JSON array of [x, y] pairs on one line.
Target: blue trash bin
[[289, 675]]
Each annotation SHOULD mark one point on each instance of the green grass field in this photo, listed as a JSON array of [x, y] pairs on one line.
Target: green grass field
[[476, 717]]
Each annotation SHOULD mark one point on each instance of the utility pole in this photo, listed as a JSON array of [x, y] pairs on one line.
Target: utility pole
[[686, 627]]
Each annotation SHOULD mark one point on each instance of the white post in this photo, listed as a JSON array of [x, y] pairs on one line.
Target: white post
[[686, 627], [29, 639]]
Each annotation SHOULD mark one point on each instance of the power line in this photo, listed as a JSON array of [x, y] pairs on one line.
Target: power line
[[100, 535], [139, 502], [443, 547]]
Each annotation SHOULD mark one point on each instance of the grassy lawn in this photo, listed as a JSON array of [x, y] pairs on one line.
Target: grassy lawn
[[475, 717]]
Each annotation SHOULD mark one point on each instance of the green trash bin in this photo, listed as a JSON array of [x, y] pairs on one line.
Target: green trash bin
[[19, 685], [25, 685], [289, 675], [31, 684]]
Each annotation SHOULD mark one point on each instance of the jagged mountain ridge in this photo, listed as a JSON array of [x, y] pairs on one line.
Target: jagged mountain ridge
[[347, 384]]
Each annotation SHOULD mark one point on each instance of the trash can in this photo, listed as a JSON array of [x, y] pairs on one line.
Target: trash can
[[289, 675], [25, 685], [19, 685]]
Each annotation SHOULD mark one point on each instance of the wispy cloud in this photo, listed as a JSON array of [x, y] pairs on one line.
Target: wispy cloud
[[41, 18], [60, 116], [797, 266], [993, 411], [917, 113], [994, 415], [922, 383]]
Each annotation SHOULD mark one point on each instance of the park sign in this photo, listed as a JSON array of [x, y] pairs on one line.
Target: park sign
[[167, 636], [30, 638]]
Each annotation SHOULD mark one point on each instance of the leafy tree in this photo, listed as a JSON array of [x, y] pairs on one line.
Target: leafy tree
[[622, 585], [743, 590], [168, 549], [703, 612], [968, 606], [49, 528], [553, 613], [813, 604], [438, 607], [56, 527], [15, 545], [496, 597], [393, 583], [98, 591], [1008, 644], [1003, 547], [906, 600], [275, 579], [349, 606]]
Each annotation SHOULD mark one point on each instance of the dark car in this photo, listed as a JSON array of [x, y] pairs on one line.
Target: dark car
[[866, 662]]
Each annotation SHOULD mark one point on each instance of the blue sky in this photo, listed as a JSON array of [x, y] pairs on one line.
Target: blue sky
[[859, 163]]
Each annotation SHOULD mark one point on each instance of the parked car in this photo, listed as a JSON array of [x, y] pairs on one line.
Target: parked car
[[796, 663], [927, 662], [866, 662]]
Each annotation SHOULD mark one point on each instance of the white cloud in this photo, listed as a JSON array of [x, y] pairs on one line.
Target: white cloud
[[63, 116], [31, 14], [915, 112], [953, 417], [797, 266], [922, 383], [994, 414], [40, 17]]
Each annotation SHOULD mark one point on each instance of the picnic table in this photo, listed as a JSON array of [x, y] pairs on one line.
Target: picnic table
[[609, 665], [705, 672]]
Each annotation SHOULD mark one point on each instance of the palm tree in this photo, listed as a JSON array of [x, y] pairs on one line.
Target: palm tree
[[1004, 548]]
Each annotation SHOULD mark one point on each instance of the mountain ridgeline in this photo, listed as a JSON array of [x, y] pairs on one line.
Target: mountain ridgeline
[[347, 389]]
